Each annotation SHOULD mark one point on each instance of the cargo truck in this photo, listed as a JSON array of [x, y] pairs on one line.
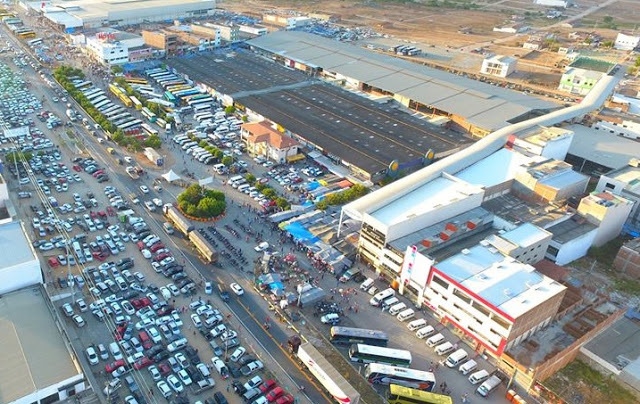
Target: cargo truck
[[154, 156], [324, 372], [179, 221], [206, 250]]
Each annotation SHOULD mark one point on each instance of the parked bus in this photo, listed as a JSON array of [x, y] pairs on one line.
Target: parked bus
[[349, 335], [177, 87], [149, 94], [130, 125], [195, 97], [114, 112], [170, 97], [83, 84], [374, 354], [148, 129], [94, 95], [136, 103], [136, 80], [203, 116], [143, 88], [27, 35], [146, 112], [105, 107], [184, 93], [118, 117], [155, 71], [98, 99], [405, 395], [201, 107], [377, 373], [200, 101], [102, 103], [34, 42]]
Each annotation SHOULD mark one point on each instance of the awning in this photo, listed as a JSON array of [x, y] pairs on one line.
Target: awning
[[171, 176], [297, 157]]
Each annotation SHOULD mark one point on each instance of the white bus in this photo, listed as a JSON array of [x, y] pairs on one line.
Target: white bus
[[375, 354], [202, 107], [34, 42], [148, 129], [203, 116], [130, 124], [102, 103], [377, 373]]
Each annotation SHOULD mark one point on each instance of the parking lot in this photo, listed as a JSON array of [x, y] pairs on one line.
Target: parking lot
[[236, 72], [357, 130]]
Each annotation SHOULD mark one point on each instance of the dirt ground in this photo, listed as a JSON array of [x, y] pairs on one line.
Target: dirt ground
[[625, 13]]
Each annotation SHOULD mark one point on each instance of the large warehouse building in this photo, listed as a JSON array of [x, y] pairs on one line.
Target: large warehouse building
[[473, 106], [85, 14]]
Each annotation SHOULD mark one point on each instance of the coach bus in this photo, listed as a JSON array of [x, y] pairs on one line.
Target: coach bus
[[34, 42], [148, 129], [170, 97], [130, 125], [136, 80], [405, 395], [378, 373], [349, 335], [375, 354], [136, 102], [146, 112]]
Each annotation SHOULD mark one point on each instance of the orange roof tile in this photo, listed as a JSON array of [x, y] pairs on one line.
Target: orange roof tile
[[260, 132]]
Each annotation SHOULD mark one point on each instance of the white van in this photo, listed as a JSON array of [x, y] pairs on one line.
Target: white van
[[479, 376], [397, 308], [444, 348], [390, 302], [220, 168], [456, 358], [415, 324], [366, 284], [488, 386], [435, 340], [468, 367], [424, 332], [406, 314], [380, 296], [243, 187], [239, 183], [235, 179]]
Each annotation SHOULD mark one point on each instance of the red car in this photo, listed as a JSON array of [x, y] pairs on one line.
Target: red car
[[156, 247], [100, 256], [142, 363], [140, 303], [114, 365], [274, 394], [164, 368], [53, 262], [160, 257], [111, 211], [141, 245], [93, 214], [145, 339], [288, 399], [267, 385], [95, 174], [77, 168]]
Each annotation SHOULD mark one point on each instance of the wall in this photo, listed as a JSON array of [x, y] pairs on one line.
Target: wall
[[609, 219], [574, 249], [20, 276], [627, 261], [628, 129], [4, 193]]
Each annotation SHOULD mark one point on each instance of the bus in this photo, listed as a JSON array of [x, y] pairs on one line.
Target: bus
[[83, 84], [118, 117], [203, 116], [34, 42], [130, 125], [27, 34], [142, 88], [378, 373], [170, 97], [177, 87], [148, 129], [136, 102], [105, 107], [114, 112], [183, 93], [374, 354], [101, 104], [146, 112], [155, 70], [94, 95], [97, 99], [200, 101], [202, 107], [136, 80], [195, 97], [349, 335], [405, 395]]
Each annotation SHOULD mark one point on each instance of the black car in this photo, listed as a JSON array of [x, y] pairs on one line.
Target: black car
[[238, 388], [245, 359], [154, 350], [123, 261], [234, 370], [126, 265], [160, 356], [224, 293], [191, 354], [220, 399]]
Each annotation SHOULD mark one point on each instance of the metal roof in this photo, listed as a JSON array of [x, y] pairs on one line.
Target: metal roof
[[12, 234], [602, 147], [471, 97]]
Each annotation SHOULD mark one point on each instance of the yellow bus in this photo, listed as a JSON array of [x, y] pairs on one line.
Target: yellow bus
[[405, 395], [27, 35], [136, 80]]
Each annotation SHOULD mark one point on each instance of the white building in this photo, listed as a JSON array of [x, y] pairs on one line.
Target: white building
[[86, 14], [607, 211], [498, 65], [626, 41], [19, 265], [627, 128], [571, 240], [38, 364], [112, 47], [554, 3], [495, 300], [552, 142], [625, 182], [253, 29], [527, 243]]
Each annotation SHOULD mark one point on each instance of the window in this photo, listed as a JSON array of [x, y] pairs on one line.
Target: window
[[462, 296], [501, 322], [610, 185], [436, 279], [552, 251]]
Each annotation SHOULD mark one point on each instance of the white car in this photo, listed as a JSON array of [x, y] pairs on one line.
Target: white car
[[237, 354], [261, 247], [237, 289], [92, 356], [173, 289], [164, 388], [150, 206], [144, 189], [196, 320], [175, 384], [157, 202], [155, 373], [146, 253], [184, 377]]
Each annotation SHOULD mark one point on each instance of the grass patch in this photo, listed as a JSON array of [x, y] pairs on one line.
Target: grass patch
[[578, 378], [627, 286], [606, 253]]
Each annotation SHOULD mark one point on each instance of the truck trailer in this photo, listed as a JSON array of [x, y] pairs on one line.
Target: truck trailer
[[177, 219], [206, 250]]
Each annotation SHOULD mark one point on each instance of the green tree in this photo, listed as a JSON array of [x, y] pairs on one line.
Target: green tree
[[204, 144], [219, 154], [117, 69], [245, 118], [269, 193], [227, 160], [134, 144], [251, 179], [260, 186], [282, 203], [153, 141], [213, 194], [192, 194], [230, 109]]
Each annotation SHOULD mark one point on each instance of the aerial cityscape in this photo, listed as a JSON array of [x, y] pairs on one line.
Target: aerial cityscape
[[249, 202]]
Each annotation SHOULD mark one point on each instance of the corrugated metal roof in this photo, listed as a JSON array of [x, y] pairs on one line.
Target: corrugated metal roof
[[392, 74]]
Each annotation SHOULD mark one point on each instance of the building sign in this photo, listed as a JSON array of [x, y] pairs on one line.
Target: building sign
[[106, 36], [415, 268]]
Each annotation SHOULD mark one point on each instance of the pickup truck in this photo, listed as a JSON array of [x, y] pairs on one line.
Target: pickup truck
[[133, 173]]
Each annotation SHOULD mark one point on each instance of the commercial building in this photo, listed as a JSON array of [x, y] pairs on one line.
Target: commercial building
[[498, 65], [256, 30], [87, 14], [571, 240], [229, 33], [471, 106], [607, 211], [19, 265], [198, 36], [263, 140], [625, 41], [288, 22], [551, 142], [618, 126], [38, 364], [582, 74], [627, 261], [554, 3], [112, 47], [596, 152], [495, 300], [550, 181], [163, 40], [625, 182]]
